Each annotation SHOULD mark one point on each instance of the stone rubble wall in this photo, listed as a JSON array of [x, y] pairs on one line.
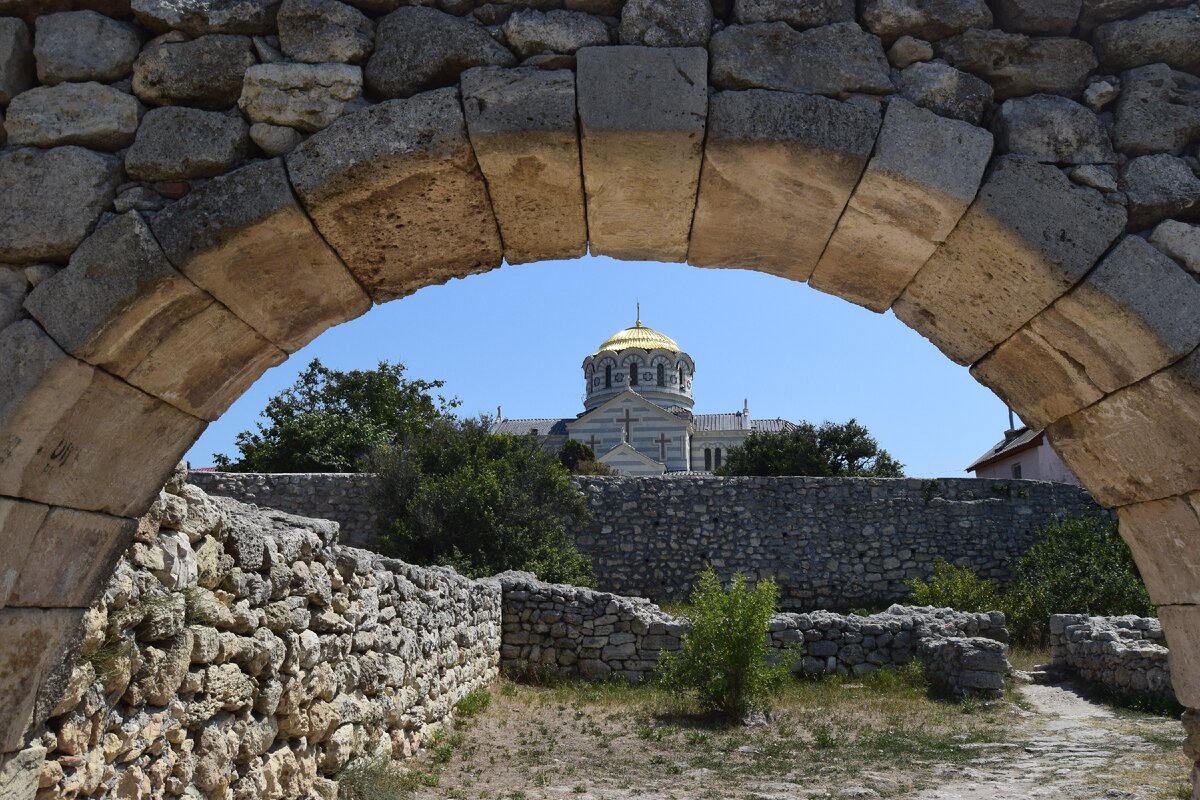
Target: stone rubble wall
[[1124, 655], [598, 635], [241, 652]]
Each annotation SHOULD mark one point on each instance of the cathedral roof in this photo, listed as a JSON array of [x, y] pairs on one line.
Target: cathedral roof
[[733, 422], [543, 427], [641, 337]]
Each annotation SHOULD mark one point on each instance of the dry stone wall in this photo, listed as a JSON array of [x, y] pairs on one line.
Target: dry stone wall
[[1123, 655], [598, 635], [240, 652]]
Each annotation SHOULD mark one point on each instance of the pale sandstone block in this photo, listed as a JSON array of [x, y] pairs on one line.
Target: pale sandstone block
[[396, 190], [245, 240], [1139, 443], [522, 128], [1029, 236], [921, 179], [1181, 626], [33, 644], [1164, 536], [778, 169], [75, 436], [642, 117], [1137, 312], [120, 305]]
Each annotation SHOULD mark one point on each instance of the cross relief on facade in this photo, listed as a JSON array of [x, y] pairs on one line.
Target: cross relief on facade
[[627, 421], [663, 441]]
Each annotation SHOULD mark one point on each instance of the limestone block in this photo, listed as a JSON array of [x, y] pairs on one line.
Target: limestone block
[[776, 164], [297, 287], [1180, 241], [1158, 186], [947, 91], [797, 13], [13, 288], [87, 114], [120, 305], [307, 97], [33, 643], [396, 190], [773, 55], [1164, 536], [50, 199], [907, 51], [666, 23], [1181, 625], [1139, 443], [20, 773], [324, 31], [1095, 12], [16, 59], [275, 140], [926, 19], [642, 117], [1017, 65], [75, 436], [530, 32], [1158, 111], [1052, 129], [419, 48], [84, 46], [1040, 17], [197, 19], [1029, 236], [921, 179], [205, 72], [1169, 36], [178, 143], [35, 537], [523, 130], [1134, 314]]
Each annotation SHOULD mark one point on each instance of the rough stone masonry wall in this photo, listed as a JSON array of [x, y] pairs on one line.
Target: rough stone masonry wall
[[597, 635], [241, 653], [1125, 655], [836, 543]]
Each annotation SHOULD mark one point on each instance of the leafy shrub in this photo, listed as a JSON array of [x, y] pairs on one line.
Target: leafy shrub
[[475, 702], [831, 450], [580, 459], [725, 661], [952, 586]]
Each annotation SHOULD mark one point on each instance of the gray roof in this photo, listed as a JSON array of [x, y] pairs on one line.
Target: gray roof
[[733, 422], [543, 427], [1016, 441]]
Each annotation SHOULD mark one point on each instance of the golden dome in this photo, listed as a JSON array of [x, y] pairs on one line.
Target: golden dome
[[641, 337]]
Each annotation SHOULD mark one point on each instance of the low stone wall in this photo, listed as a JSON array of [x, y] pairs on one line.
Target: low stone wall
[[595, 635], [1125, 655], [240, 652]]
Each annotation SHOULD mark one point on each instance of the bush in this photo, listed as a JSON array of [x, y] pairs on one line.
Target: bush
[[580, 459], [481, 502], [831, 450], [952, 586], [725, 661]]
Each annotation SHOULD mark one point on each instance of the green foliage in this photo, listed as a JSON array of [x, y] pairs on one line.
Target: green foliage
[[481, 502], [1079, 565], [830, 451], [475, 702], [580, 459], [952, 586], [330, 420], [377, 778], [725, 661]]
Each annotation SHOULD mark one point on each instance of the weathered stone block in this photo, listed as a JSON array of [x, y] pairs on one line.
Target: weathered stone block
[[797, 13], [419, 48], [75, 436], [666, 23], [275, 140], [642, 115], [1052, 129], [946, 91], [177, 143], [50, 199], [530, 32], [776, 164], [1016, 65], [120, 305], [396, 190], [21, 772], [1138, 443], [324, 31], [921, 179], [523, 130], [1158, 186], [1164, 536], [298, 286], [1158, 111], [205, 72], [926, 19], [86, 114], [1040, 17], [1181, 625], [1028, 237], [1170, 36], [16, 59], [1134, 314], [84, 46], [1095, 12], [307, 97], [1180, 241], [197, 19], [773, 55], [33, 643]]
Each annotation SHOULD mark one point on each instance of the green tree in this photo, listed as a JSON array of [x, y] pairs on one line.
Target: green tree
[[580, 459], [330, 420], [832, 450], [482, 502]]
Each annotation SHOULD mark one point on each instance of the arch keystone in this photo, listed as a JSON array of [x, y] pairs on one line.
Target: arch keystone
[[121, 306], [1029, 236], [776, 163], [922, 177], [522, 127], [396, 190], [642, 116]]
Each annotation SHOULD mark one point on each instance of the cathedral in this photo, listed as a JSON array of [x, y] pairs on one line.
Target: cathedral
[[637, 415]]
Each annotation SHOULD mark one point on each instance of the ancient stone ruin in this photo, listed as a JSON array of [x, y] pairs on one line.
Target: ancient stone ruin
[[191, 191]]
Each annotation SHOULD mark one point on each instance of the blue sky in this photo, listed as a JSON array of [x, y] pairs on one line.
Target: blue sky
[[517, 336]]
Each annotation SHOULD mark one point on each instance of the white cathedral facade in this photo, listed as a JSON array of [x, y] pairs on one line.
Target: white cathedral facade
[[637, 415]]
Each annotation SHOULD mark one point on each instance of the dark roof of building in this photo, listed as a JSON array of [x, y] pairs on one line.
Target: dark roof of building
[[733, 422], [543, 427], [1013, 442]]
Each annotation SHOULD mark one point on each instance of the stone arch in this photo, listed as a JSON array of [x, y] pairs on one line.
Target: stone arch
[[781, 144]]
